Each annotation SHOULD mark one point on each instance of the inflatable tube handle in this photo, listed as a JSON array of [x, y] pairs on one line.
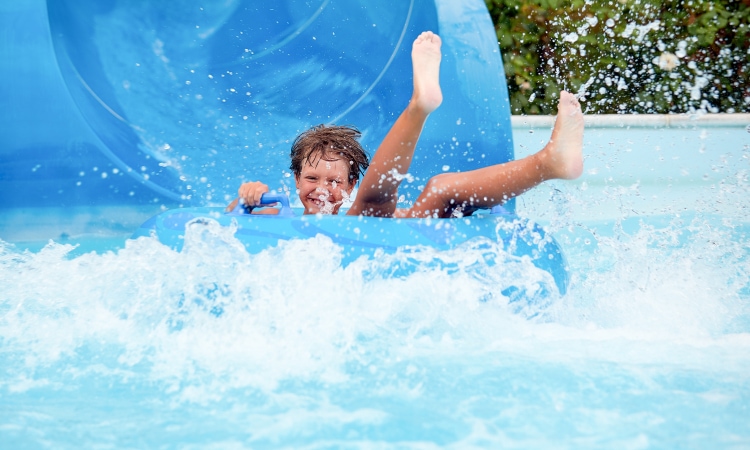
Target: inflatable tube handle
[[498, 209], [267, 199]]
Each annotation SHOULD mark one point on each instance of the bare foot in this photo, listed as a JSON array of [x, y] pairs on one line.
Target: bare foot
[[425, 56], [563, 155]]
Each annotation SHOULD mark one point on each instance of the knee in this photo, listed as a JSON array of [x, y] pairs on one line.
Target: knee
[[447, 186], [439, 184]]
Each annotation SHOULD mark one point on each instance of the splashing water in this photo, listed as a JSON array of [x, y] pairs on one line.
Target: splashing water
[[287, 346]]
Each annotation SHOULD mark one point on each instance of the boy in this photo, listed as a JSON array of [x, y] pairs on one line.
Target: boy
[[328, 161]]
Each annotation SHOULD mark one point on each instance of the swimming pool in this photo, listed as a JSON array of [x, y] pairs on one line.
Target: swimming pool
[[139, 346]]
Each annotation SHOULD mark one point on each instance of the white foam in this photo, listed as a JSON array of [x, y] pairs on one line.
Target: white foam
[[214, 317]]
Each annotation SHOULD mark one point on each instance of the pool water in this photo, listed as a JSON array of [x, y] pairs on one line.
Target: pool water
[[128, 344]]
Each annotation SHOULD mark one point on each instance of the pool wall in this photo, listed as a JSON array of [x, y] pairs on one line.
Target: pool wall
[[639, 165]]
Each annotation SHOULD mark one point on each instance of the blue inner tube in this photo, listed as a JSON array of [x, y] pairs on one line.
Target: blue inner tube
[[365, 236]]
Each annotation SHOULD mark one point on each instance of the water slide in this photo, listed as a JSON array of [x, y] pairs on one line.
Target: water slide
[[175, 103]]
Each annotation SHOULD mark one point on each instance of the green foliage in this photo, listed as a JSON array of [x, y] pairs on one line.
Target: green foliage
[[626, 56]]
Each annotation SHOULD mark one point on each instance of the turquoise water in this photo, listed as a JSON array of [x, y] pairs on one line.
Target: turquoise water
[[136, 346]]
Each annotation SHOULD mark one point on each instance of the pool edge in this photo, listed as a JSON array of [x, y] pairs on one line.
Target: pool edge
[[640, 120]]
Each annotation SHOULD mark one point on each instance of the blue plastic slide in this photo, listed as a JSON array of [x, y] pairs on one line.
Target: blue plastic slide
[[135, 102]]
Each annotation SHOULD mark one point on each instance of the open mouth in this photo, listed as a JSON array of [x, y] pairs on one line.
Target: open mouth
[[323, 205]]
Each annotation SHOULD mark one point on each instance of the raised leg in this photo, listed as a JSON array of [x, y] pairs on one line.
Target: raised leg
[[378, 191], [561, 158]]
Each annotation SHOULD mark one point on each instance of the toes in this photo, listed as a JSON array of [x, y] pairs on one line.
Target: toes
[[427, 36]]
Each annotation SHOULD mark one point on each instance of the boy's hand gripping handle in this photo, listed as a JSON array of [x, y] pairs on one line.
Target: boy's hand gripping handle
[[268, 198]]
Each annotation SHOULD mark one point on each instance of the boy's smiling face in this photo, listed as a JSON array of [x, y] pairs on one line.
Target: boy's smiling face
[[324, 184]]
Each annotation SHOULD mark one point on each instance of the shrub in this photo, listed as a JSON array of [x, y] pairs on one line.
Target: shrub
[[626, 56]]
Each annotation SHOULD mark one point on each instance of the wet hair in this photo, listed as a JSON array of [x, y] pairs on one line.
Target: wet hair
[[324, 142]]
